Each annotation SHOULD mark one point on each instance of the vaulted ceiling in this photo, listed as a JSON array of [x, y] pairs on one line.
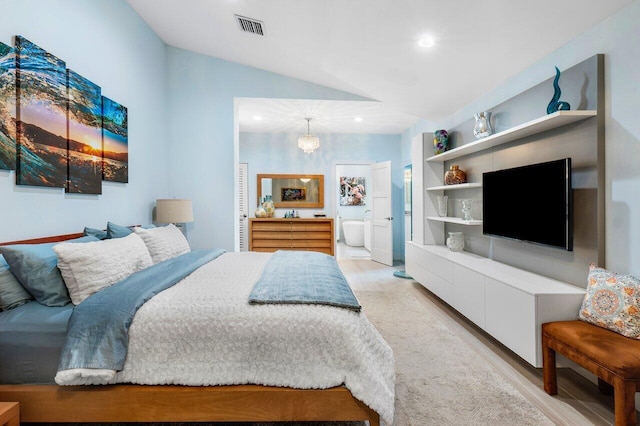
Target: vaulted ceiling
[[371, 48]]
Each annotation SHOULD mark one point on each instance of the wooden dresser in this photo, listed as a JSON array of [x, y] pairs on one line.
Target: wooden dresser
[[291, 234]]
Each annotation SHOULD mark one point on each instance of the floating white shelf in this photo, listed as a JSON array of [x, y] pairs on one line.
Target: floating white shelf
[[458, 186], [457, 220], [539, 125]]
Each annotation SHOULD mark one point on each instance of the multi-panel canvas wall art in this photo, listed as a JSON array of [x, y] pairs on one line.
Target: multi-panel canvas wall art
[[84, 117], [115, 142], [56, 128], [7, 107], [41, 98]]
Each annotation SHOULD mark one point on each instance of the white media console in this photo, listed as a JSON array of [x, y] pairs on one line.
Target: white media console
[[508, 303]]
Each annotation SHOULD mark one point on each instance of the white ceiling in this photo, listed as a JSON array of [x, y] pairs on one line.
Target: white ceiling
[[369, 48]]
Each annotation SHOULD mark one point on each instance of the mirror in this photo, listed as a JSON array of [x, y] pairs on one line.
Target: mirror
[[292, 191]]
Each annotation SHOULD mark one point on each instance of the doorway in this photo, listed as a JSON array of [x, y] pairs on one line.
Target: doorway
[[351, 185]]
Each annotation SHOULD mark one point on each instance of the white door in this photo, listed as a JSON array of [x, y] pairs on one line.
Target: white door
[[244, 206], [381, 217]]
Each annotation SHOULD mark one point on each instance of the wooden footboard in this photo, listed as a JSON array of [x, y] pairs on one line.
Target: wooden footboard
[[139, 403]]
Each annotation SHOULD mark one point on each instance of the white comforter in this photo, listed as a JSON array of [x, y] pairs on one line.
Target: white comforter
[[202, 331]]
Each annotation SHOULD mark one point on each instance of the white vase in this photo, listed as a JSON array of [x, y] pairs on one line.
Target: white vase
[[455, 242], [268, 207], [443, 201], [467, 207], [482, 128]]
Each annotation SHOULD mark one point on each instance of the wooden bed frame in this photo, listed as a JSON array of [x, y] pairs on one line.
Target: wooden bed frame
[[164, 403]]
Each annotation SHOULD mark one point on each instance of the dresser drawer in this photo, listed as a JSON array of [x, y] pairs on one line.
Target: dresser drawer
[[291, 234]]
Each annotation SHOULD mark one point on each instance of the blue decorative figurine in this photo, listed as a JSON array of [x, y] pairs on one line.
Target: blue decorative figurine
[[556, 104]]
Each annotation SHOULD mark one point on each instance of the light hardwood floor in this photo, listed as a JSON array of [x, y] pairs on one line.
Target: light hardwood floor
[[578, 401]]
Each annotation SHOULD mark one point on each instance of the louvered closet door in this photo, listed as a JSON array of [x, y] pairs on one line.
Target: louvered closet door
[[243, 203]]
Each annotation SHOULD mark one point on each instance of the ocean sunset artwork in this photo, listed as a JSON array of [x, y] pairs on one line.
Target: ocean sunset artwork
[[85, 135], [115, 141], [41, 82], [7, 107]]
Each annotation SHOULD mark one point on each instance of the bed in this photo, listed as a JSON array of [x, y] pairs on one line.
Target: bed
[[133, 395]]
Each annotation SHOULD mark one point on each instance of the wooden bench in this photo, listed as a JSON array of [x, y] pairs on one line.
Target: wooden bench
[[613, 358]]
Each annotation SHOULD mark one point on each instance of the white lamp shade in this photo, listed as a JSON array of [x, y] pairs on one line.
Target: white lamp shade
[[174, 211]]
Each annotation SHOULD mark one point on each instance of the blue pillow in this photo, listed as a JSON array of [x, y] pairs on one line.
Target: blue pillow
[[36, 267], [119, 231], [98, 233], [12, 294]]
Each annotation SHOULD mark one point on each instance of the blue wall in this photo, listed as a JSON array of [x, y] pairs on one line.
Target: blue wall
[[109, 44], [279, 153], [183, 137], [203, 136]]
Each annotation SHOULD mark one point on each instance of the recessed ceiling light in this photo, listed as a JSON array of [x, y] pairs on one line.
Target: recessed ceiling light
[[357, 119], [426, 41], [257, 117]]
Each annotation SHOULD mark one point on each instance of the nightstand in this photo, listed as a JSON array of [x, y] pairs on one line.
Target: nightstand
[[9, 414]]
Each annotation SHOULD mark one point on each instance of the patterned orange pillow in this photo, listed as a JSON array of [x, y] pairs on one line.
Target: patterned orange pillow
[[612, 301]]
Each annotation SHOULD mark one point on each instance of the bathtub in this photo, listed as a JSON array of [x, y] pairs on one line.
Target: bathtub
[[353, 233]]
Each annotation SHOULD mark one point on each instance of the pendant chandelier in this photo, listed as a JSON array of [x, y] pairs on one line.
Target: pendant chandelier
[[308, 143]]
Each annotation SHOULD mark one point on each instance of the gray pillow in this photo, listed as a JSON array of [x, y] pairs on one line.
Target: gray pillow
[[12, 294], [36, 267], [119, 231], [98, 233]]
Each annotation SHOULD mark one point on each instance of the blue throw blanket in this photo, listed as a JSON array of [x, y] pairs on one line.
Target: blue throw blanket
[[98, 331], [303, 277]]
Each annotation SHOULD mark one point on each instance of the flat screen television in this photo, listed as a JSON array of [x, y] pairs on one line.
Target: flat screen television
[[532, 203]]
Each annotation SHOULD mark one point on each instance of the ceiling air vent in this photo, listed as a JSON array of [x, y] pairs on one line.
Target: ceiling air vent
[[250, 25]]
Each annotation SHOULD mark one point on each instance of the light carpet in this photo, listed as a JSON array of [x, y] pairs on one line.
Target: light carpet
[[440, 379]]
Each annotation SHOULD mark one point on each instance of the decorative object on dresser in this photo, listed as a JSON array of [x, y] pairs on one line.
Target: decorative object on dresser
[[440, 141], [260, 212], [268, 207], [483, 127], [291, 234], [556, 104], [454, 175], [176, 211]]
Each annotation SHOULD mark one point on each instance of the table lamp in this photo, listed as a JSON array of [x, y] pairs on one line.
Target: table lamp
[[176, 211]]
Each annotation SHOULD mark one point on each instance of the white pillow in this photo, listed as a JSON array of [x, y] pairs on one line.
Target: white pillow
[[164, 242], [90, 267]]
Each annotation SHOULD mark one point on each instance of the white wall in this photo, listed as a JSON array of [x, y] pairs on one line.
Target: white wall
[[618, 38], [106, 42]]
